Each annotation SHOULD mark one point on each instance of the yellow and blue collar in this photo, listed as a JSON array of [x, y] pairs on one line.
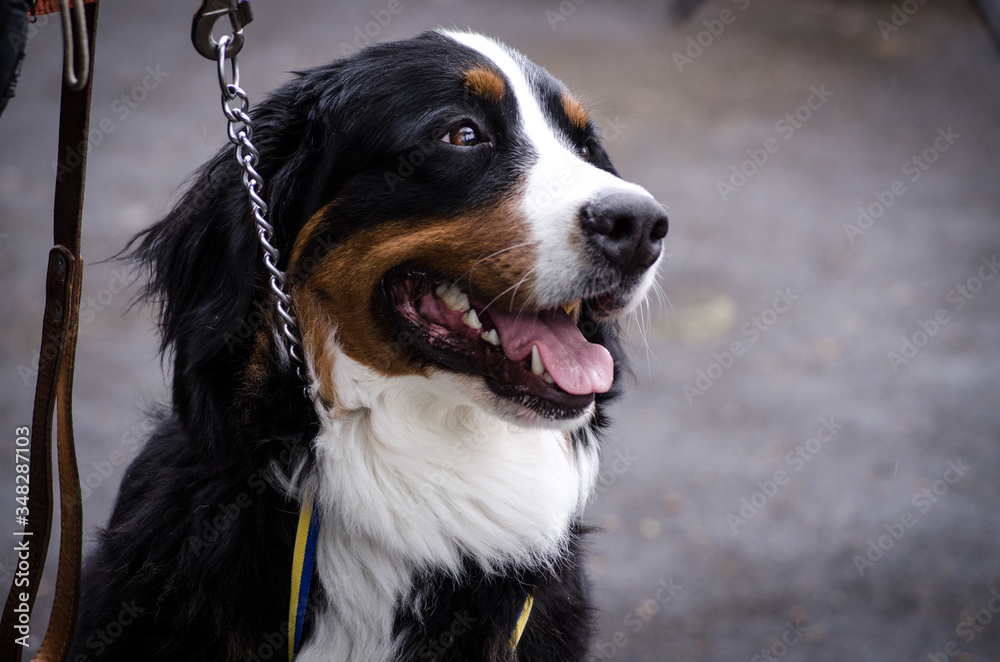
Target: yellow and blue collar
[[302, 570]]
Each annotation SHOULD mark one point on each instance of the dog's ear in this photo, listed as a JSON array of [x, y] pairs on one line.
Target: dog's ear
[[203, 274], [205, 264]]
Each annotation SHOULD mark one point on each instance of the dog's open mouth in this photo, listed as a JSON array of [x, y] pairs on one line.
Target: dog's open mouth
[[539, 359]]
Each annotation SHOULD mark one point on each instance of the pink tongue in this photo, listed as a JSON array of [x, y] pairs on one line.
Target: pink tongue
[[577, 366]]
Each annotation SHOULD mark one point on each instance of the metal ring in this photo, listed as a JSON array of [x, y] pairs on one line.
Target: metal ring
[[223, 44]]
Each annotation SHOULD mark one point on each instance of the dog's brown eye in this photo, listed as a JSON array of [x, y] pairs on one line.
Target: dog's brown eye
[[585, 153], [463, 136]]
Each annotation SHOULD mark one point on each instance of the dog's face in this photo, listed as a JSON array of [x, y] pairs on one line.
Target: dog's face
[[445, 211], [479, 236]]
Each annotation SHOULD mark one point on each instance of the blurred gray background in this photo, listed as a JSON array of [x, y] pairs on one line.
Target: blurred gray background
[[831, 171]]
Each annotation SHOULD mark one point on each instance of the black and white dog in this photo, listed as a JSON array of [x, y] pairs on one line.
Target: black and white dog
[[459, 248]]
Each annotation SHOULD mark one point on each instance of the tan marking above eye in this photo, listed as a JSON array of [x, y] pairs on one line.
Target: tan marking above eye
[[575, 111], [485, 83]]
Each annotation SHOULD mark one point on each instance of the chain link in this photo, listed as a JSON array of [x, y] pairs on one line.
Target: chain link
[[240, 130]]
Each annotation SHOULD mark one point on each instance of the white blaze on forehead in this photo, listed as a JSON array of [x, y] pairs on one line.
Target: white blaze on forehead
[[558, 184], [513, 66]]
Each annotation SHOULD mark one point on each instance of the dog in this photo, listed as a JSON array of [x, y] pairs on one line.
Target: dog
[[459, 249]]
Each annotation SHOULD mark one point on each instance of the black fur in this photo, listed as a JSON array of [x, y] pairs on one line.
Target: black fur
[[195, 561]]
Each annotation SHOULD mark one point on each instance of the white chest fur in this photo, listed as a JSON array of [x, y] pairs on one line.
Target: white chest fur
[[413, 474]]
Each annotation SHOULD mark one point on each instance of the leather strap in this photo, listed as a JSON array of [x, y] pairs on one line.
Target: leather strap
[[54, 393]]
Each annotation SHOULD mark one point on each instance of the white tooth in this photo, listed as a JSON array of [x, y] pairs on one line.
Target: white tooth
[[460, 301], [536, 361], [471, 319], [492, 337], [453, 297], [548, 378]]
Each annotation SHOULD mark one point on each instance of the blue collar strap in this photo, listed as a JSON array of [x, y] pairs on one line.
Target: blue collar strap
[[302, 570]]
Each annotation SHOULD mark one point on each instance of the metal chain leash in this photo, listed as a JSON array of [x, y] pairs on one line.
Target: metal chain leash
[[240, 132]]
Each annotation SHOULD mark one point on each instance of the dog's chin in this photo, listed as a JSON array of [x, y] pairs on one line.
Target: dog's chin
[[527, 418], [474, 391]]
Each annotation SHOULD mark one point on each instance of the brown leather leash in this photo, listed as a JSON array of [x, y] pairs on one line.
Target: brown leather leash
[[54, 388]]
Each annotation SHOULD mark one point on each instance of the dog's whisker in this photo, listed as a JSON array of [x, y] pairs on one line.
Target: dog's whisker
[[514, 287], [467, 276], [661, 295]]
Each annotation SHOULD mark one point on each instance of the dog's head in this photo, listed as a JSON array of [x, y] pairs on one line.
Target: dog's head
[[445, 210]]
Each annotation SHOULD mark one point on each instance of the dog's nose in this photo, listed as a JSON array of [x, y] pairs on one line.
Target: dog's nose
[[626, 228]]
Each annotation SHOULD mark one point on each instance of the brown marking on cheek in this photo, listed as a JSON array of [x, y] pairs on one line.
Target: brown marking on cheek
[[305, 239], [485, 83], [485, 250], [578, 116], [317, 329]]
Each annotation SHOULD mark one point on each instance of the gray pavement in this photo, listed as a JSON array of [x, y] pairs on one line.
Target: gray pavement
[[809, 452]]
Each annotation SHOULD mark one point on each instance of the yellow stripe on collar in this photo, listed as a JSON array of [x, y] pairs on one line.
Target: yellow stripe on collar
[[302, 567], [522, 621]]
